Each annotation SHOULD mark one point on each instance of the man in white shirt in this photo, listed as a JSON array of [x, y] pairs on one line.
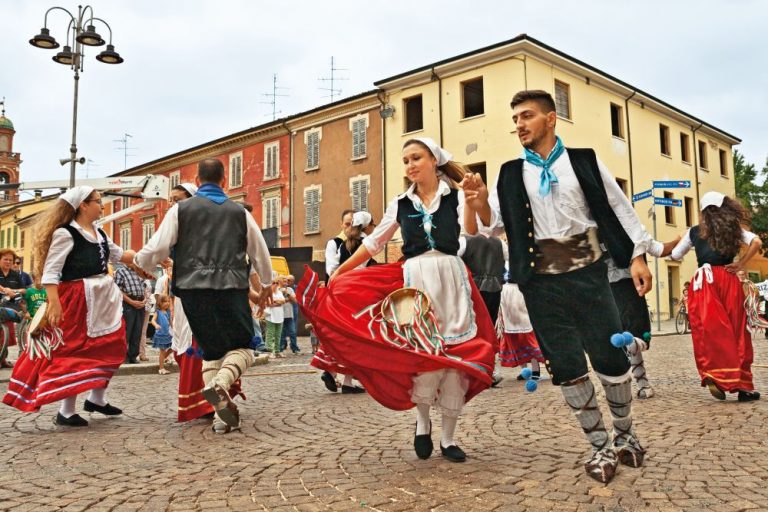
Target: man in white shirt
[[557, 207]]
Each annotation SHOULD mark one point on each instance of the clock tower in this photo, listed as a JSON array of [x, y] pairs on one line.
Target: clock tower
[[9, 161]]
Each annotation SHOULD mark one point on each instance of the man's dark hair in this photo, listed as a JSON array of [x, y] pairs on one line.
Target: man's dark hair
[[543, 98], [182, 189], [248, 207], [210, 170], [345, 212]]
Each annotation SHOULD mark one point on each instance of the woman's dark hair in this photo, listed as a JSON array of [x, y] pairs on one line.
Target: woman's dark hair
[[721, 227], [181, 188]]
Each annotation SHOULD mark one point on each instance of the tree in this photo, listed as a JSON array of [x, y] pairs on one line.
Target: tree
[[752, 190]]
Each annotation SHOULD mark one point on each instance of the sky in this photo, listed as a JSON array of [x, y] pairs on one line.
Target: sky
[[198, 70]]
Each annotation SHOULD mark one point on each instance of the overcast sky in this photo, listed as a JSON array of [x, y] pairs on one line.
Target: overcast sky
[[198, 70]]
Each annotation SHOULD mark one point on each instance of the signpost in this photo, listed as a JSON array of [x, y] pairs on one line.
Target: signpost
[[661, 201]]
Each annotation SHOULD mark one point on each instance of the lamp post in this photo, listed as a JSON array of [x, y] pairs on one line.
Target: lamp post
[[80, 38]]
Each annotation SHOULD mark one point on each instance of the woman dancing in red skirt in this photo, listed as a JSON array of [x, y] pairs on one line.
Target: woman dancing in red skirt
[[722, 344], [446, 355], [71, 255]]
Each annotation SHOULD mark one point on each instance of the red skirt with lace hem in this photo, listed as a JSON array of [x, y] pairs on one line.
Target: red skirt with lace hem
[[384, 369], [722, 344], [80, 364], [519, 348]]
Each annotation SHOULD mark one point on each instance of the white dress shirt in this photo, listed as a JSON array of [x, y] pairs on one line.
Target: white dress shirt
[[158, 248], [62, 244], [386, 229], [332, 255], [564, 211], [685, 244]]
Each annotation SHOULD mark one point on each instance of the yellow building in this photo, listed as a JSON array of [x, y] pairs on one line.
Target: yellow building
[[17, 227], [463, 103]]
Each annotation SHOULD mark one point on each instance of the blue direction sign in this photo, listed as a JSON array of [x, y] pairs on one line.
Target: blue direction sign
[[642, 195], [665, 201], [672, 184]]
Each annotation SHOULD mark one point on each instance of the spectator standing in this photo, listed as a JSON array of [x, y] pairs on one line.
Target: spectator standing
[[132, 286]]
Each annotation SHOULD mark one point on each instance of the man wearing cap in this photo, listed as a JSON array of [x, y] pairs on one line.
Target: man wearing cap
[[556, 206], [211, 277]]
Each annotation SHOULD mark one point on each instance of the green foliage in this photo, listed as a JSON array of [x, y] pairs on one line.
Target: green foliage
[[752, 190]]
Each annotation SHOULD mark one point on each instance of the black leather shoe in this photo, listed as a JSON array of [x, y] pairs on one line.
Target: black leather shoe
[[107, 410], [132, 361], [423, 444], [329, 381], [748, 396], [453, 453], [352, 389], [73, 421]]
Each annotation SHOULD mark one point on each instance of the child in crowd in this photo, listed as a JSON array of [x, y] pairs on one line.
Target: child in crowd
[[163, 337]]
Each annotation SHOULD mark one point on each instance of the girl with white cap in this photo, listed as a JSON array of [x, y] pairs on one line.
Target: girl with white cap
[[722, 344], [71, 255], [445, 356]]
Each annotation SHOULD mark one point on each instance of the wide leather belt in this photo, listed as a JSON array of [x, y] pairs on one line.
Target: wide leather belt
[[566, 254]]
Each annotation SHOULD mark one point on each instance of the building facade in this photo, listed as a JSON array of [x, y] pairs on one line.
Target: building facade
[[463, 102], [9, 160], [337, 153]]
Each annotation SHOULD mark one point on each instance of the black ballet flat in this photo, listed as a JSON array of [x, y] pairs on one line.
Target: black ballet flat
[[423, 444], [352, 389], [107, 410], [73, 421], [453, 453], [748, 396], [329, 381]]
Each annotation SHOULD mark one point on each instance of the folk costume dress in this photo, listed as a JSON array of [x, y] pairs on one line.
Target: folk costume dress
[[398, 370], [93, 333], [722, 344], [518, 344]]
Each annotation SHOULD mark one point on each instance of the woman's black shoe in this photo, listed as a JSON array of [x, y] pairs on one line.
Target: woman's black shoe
[[73, 421], [352, 389], [330, 382], [107, 410], [423, 444], [453, 453], [748, 396]]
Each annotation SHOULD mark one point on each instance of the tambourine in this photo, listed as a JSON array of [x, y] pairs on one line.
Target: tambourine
[[402, 305], [42, 339]]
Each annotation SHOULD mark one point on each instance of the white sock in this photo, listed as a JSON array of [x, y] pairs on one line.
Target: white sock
[[67, 407], [535, 365], [98, 396], [449, 429], [422, 419], [347, 380]]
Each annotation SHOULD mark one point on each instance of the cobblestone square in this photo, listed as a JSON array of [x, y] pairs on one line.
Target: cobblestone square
[[305, 449]]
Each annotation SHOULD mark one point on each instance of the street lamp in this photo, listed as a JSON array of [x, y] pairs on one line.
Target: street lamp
[[79, 38]]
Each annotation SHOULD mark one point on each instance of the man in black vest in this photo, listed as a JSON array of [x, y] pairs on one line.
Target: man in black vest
[[211, 237], [557, 206]]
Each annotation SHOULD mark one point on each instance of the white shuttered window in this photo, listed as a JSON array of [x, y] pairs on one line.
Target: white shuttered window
[[312, 198], [271, 160], [312, 140], [271, 212], [236, 170], [359, 137], [358, 188]]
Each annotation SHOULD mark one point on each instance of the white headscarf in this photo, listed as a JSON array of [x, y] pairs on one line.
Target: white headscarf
[[76, 195], [362, 219], [191, 188], [439, 153]]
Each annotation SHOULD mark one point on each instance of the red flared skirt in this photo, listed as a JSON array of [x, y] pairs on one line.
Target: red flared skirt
[[722, 344], [519, 348], [82, 363], [386, 370], [192, 405], [325, 361]]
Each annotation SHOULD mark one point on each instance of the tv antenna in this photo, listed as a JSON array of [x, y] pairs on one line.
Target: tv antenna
[[274, 95], [124, 148], [333, 79]]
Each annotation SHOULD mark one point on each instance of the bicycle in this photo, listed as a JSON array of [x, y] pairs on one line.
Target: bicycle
[[682, 325]]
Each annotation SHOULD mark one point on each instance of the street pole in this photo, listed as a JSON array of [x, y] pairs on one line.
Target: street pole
[[656, 268], [73, 147]]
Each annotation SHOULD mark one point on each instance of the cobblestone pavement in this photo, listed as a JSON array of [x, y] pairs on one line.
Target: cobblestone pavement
[[305, 449]]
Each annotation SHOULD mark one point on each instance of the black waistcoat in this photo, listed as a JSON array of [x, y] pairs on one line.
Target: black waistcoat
[[445, 226], [518, 217], [485, 258], [211, 246], [705, 253], [86, 258]]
